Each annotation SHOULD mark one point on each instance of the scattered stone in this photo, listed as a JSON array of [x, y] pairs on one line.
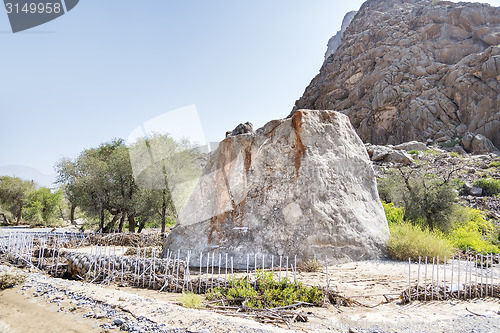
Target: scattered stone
[[241, 129], [459, 149], [400, 157], [118, 322]]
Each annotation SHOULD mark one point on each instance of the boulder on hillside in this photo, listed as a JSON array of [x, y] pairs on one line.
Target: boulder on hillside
[[241, 129], [388, 154], [303, 186], [477, 144], [412, 145]]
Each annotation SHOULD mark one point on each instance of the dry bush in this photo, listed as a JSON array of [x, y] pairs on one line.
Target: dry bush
[[9, 280], [311, 265], [149, 252]]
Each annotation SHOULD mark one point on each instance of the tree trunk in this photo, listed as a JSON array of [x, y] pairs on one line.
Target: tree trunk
[[141, 225], [72, 213], [111, 224], [5, 219], [101, 224], [61, 212], [122, 222], [131, 222], [19, 216], [163, 215]]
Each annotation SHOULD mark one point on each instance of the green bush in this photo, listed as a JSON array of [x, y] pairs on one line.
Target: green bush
[[411, 241], [473, 232], [190, 300], [393, 214], [490, 186], [414, 152], [454, 154], [495, 164], [424, 197], [268, 293]]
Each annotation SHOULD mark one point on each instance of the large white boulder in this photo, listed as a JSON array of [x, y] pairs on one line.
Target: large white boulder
[[302, 186]]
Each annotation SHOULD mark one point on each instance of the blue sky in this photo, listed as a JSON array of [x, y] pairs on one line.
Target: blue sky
[[106, 67]]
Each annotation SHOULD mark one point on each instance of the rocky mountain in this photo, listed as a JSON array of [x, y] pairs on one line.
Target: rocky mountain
[[335, 41], [414, 70]]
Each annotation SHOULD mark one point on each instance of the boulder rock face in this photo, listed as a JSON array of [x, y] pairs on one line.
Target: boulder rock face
[[303, 186], [415, 70]]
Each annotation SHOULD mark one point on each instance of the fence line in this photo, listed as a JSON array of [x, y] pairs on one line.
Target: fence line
[[462, 277], [472, 276]]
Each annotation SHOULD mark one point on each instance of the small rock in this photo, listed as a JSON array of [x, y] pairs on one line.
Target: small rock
[[459, 149], [412, 145], [118, 322], [476, 191], [443, 139]]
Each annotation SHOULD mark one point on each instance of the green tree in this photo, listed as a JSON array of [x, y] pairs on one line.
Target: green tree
[[43, 205], [425, 198], [14, 194], [171, 168]]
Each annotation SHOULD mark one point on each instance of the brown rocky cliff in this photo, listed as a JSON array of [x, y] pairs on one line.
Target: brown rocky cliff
[[415, 70]]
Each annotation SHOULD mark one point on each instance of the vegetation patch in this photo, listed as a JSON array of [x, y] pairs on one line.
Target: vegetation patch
[[10, 280], [311, 265], [474, 232], [411, 241], [190, 300], [267, 293], [490, 186]]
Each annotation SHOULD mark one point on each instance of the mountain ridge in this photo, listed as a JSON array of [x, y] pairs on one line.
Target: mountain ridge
[[414, 70]]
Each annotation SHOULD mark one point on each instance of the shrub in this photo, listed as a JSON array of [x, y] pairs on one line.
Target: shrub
[[490, 186], [311, 265], [267, 293], [495, 164], [411, 241], [414, 152], [393, 214], [454, 154], [425, 198], [190, 300], [473, 232], [9, 280]]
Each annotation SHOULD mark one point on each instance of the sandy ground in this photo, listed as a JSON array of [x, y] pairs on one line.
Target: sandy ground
[[366, 281], [20, 313], [46, 304]]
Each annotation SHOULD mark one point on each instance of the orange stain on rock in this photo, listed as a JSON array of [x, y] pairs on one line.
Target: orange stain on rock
[[299, 148]]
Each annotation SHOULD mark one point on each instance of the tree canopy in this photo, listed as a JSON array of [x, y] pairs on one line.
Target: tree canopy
[[140, 183]]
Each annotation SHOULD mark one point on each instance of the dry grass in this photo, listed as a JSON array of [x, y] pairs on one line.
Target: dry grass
[[190, 300], [411, 241], [311, 265]]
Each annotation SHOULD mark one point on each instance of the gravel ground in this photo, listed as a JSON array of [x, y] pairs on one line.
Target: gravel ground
[[118, 310]]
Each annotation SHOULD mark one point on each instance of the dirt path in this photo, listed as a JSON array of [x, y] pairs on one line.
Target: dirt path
[[20, 313]]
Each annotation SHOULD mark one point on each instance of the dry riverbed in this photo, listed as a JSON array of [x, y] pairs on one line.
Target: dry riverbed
[[46, 304]]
